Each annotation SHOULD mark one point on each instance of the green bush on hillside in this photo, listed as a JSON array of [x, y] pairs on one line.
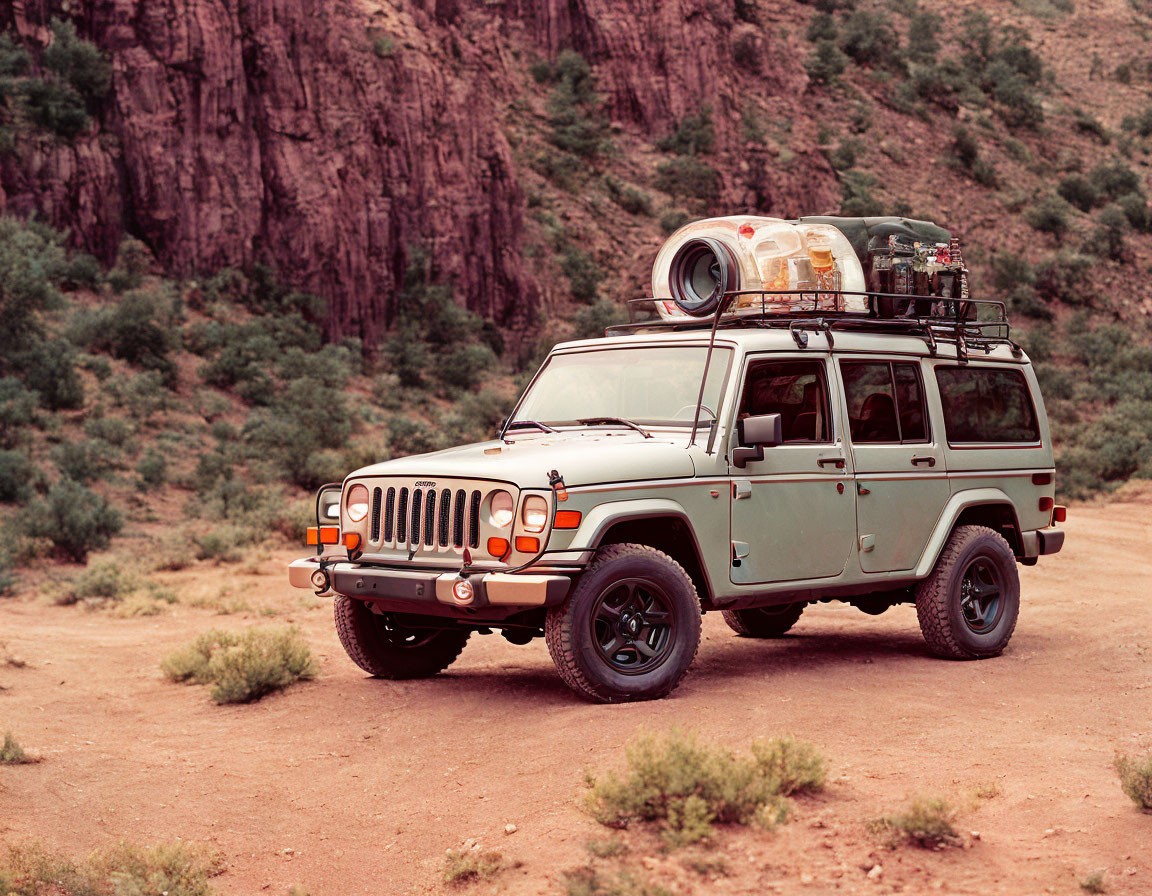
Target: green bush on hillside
[[74, 518], [688, 177], [575, 123], [826, 62], [694, 134], [17, 411], [77, 61], [16, 477]]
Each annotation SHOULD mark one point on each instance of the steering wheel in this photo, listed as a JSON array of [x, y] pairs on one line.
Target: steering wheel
[[692, 407]]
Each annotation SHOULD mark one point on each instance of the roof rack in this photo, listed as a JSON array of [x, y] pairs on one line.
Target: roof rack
[[931, 318]]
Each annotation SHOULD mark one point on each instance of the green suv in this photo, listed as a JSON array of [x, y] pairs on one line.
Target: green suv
[[746, 465]]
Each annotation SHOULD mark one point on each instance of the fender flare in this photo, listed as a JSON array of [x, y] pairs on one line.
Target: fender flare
[[957, 504], [604, 516]]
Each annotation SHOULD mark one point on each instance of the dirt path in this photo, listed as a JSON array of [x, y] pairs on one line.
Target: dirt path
[[348, 785]]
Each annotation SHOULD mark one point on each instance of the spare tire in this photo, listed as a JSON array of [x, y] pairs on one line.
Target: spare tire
[[702, 271]]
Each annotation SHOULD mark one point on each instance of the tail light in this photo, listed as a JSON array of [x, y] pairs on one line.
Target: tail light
[[1059, 513]]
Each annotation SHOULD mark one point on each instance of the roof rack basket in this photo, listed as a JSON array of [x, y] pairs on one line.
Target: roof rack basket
[[970, 324]]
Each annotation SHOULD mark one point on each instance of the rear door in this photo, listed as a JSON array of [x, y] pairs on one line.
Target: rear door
[[792, 513], [901, 481]]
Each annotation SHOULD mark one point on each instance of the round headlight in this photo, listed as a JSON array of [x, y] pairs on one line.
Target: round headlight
[[534, 514], [357, 503], [501, 510]]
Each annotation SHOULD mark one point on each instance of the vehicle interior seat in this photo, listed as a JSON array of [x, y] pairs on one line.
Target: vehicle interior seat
[[878, 419]]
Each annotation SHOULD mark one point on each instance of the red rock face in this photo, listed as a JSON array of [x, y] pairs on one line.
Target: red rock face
[[268, 130]]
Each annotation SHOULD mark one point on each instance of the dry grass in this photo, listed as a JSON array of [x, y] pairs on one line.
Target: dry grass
[[688, 787], [1093, 883], [173, 869], [11, 753], [928, 822], [1136, 779], [470, 864], [243, 667], [587, 881]]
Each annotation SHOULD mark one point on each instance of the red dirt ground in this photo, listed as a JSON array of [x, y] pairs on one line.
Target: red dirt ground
[[348, 785]]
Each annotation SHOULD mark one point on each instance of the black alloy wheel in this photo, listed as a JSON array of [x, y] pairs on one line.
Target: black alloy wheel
[[634, 625]]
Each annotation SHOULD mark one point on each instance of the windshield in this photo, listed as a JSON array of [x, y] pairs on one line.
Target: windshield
[[643, 385]]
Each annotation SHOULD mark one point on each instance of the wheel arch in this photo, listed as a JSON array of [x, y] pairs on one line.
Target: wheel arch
[[989, 507], [658, 523]]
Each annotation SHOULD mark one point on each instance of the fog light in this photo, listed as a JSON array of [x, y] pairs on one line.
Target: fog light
[[320, 580], [462, 592]]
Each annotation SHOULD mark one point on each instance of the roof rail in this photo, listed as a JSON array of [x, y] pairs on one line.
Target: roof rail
[[931, 318]]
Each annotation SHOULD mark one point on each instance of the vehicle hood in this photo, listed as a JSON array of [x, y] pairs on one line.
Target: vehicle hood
[[584, 457]]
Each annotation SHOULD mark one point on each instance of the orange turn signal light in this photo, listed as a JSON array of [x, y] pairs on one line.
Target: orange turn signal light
[[324, 535], [527, 545], [352, 541], [1059, 513], [567, 519], [497, 547]]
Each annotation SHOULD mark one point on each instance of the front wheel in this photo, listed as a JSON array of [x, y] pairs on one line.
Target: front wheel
[[630, 629], [387, 647], [969, 605]]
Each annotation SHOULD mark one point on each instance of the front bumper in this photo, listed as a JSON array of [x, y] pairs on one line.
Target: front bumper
[[417, 591]]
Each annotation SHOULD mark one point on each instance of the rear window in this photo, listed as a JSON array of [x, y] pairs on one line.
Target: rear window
[[986, 404]]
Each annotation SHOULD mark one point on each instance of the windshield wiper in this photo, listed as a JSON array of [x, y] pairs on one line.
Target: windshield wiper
[[593, 421], [517, 424]]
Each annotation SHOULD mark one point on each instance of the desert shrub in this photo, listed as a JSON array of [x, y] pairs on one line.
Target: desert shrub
[[11, 753], [868, 37], [48, 367], [175, 869], [1136, 779], [575, 123], [694, 134], [821, 26], [1108, 235], [1114, 179], [17, 410], [384, 46], [221, 544], [152, 469], [673, 219], [476, 416], [1079, 191], [923, 28], [927, 822], [112, 430], [590, 322], [83, 461], [407, 435], [103, 581], [1110, 449], [687, 176], [826, 62], [1049, 214], [142, 395], [1136, 210], [1063, 277], [856, 188], [1093, 883], [1010, 270], [966, 152], [1140, 124], [1086, 124], [845, 154], [687, 787], [471, 864], [136, 329], [243, 667], [77, 61], [83, 270], [633, 201], [74, 518], [583, 274], [55, 107], [16, 475]]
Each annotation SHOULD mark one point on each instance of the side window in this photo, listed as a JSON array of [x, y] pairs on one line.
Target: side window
[[986, 404], [796, 390], [885, 401]]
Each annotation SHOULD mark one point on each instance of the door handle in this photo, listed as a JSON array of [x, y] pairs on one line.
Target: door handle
[[837, 462], [741, 488], [924, 459]]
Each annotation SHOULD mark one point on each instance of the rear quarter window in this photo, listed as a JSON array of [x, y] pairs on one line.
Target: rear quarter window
[[986, 404]]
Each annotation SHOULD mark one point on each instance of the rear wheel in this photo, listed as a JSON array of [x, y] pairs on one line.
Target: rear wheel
[[387, 647], [763, 622], [630, 629], [969, 605]]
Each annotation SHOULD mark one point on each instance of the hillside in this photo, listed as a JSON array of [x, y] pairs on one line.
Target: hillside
[[379, 216]]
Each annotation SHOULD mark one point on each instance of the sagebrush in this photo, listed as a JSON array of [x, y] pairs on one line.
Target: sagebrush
[[1136, 779], [243, 667]]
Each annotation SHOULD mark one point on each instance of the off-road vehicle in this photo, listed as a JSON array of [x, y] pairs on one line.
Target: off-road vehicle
[[819, 411]]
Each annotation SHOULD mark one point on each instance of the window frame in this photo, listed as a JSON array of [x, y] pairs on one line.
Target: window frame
[[1017, 371], [821, 364], [919, 370]]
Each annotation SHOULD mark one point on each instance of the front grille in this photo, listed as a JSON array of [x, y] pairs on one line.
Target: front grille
[[421, 517]]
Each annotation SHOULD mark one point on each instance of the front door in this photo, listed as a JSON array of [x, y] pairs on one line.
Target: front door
[[901, 482], [793, 514]]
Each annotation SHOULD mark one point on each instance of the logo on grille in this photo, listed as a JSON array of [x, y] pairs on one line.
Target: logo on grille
[[423, 483]]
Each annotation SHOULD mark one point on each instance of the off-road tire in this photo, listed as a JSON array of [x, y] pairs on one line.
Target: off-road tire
[[763, 622], [570, 628], [377, 645], [939, 600]]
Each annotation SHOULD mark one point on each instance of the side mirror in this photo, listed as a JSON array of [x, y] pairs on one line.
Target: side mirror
[[754, 435]]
